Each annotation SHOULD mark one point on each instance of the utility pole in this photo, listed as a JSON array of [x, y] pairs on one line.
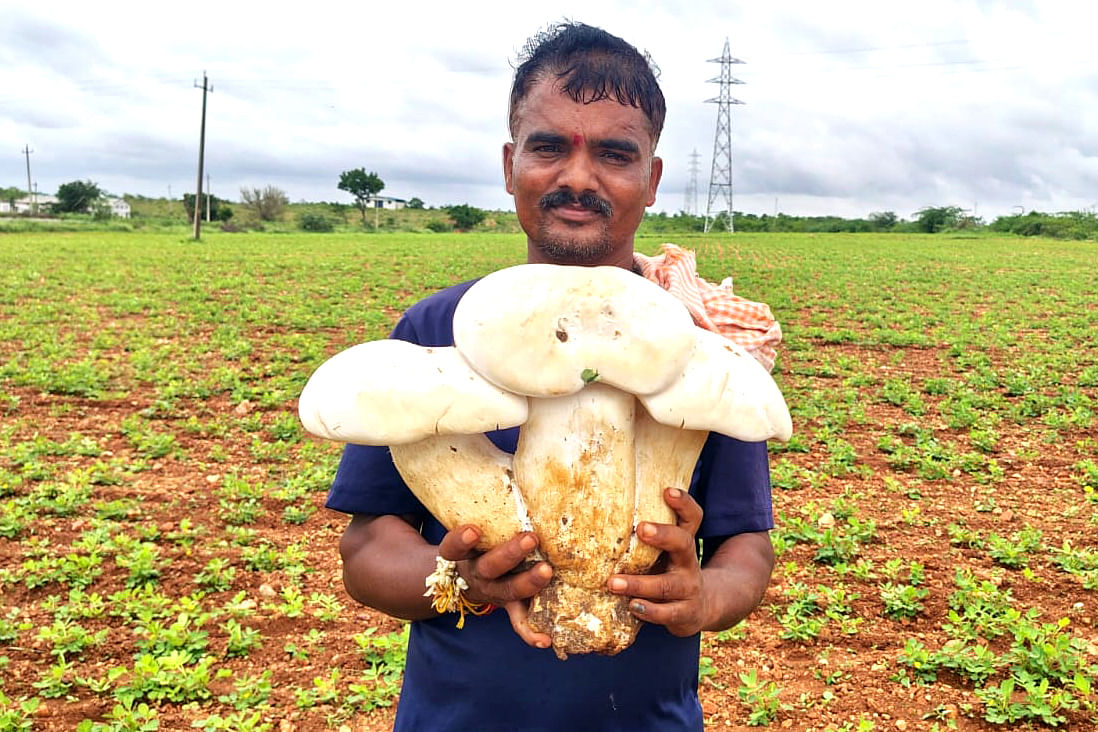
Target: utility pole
[[33, 201], [720, 177], [690, 199], [206, 87], [207, 198]]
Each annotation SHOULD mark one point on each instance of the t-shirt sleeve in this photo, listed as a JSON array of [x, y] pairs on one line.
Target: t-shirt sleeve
[[367, 482], [732, 485]]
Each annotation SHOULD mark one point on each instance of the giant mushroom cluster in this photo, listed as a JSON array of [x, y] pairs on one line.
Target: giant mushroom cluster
[[614, 390]]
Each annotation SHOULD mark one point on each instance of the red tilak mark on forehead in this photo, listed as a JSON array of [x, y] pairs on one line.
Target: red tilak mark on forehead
[[577, 140]]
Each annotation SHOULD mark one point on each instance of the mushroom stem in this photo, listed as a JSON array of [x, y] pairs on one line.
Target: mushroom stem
[[666, 457], [575, 465], [465, 479]]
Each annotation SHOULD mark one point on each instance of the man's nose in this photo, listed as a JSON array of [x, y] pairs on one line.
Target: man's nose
[[578, 173]]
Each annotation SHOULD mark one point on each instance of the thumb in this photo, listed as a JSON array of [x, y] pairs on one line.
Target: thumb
[[459, 543]]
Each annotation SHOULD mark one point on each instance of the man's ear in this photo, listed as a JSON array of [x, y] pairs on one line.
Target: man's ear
[[654, 180], [508, 166]]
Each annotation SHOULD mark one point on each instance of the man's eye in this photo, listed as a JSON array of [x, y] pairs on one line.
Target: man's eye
[[615, 157], [548, 148]]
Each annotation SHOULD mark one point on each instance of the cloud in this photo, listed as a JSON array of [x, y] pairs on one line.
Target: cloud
[[27, 40], [850, 107]]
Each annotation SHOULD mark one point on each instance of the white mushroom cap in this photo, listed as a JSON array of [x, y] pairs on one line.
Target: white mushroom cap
[[393, 392], [540, 329], [723, 389]]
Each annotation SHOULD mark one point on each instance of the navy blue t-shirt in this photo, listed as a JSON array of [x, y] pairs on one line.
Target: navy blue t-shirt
[[484, 677]]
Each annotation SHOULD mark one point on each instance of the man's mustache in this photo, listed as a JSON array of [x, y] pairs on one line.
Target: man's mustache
[[587, 200]]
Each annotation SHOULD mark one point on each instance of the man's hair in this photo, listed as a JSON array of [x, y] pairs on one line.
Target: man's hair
[[590, 65]]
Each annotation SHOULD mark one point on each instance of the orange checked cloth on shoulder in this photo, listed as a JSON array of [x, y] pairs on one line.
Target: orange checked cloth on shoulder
[[714, 307]]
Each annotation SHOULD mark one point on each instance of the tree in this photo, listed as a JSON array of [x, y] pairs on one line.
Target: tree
[[219, 208], [11, 195], [76, 196], [465, 216], [363, 186], [266, 204], [416, 203], [931, 219], [883, 220]]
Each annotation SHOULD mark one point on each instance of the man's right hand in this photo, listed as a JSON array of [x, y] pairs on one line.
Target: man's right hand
[[491, 575]]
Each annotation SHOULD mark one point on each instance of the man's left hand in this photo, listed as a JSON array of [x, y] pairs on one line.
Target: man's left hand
[[674, 598]]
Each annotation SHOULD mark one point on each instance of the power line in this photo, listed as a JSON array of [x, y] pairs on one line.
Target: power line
[[837, 51], [879, 67]]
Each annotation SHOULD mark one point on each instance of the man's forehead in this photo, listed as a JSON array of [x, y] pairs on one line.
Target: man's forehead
[[547, 108]]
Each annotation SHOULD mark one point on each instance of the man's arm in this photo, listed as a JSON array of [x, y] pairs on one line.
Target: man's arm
[[385, 562], [737, 576], [687, 597]]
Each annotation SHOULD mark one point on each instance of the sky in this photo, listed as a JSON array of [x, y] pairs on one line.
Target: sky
[[848, 107]]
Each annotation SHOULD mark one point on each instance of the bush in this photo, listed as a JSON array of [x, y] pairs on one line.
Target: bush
[[465, 217], [219, 208], [1064, 225], [266, 204], [439, 227], [315, 222]]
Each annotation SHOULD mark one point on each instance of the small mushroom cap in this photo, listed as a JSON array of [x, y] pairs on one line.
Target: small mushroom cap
[[540, 329], [723, 389], [393, 392]]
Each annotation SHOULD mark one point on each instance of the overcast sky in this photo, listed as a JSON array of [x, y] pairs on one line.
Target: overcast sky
[[849, 107]]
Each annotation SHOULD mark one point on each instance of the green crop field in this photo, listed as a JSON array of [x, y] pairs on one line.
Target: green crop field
[[165, 558]]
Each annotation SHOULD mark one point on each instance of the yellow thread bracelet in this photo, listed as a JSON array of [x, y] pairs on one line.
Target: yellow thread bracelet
[[445, 587]]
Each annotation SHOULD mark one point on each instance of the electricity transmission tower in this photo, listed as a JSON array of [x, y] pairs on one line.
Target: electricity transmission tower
[[720, 177], [690, 198]]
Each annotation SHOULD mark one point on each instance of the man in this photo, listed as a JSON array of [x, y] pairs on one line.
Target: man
[[585, 115]]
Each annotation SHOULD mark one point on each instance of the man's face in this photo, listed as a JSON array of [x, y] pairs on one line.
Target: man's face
[[582, 176]]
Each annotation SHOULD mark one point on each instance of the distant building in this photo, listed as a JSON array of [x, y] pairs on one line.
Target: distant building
[[119, 207], [25, 204], [385, 202]]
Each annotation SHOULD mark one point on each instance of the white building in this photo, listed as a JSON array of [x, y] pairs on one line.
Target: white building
[[119, 207], [25, 204], [385, 202]]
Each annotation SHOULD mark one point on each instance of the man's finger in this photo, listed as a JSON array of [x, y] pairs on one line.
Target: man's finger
[[677, 617], [687, 510], [661, 588], [459, 543], [517, 612], [518, 586], [672, 539], [500, 560]]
